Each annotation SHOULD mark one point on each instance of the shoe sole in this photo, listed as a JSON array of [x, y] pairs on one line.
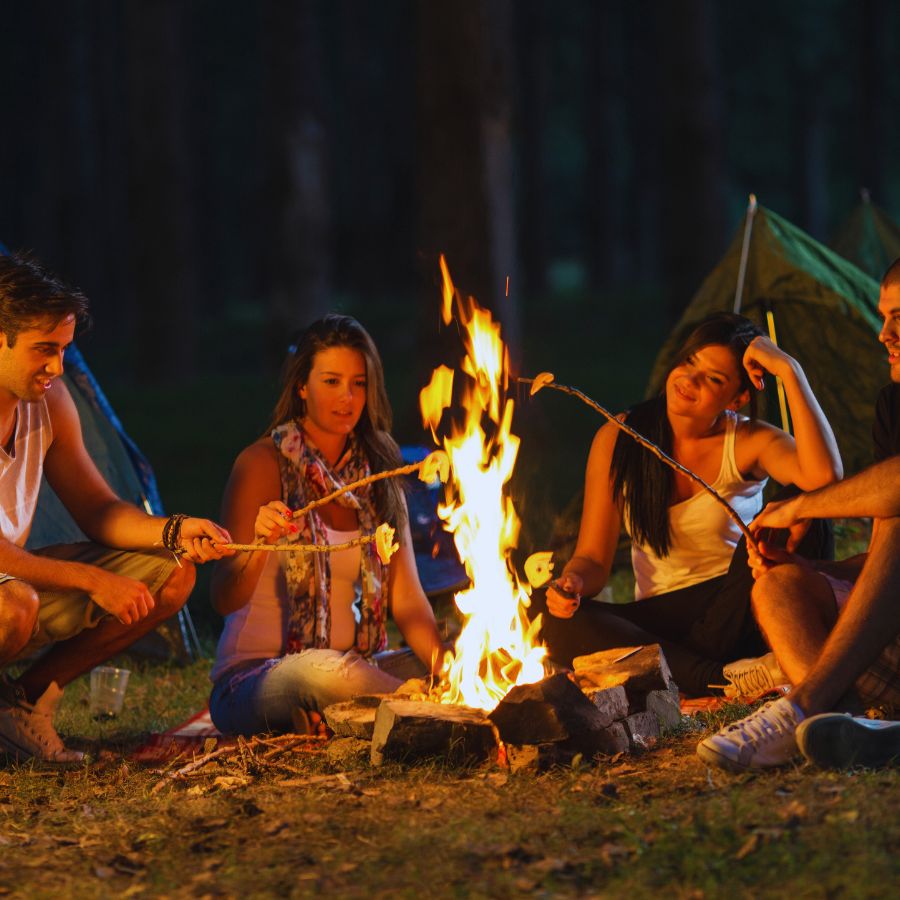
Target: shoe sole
[[20, 755], [838, 742], [714, 758]]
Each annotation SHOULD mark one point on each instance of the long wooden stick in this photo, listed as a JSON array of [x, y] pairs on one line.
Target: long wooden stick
[[307, 548], [378, 476], [661, 455]]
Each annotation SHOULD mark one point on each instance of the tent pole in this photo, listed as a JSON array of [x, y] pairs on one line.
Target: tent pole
[[189, 634], [782, 399], [745, 252]]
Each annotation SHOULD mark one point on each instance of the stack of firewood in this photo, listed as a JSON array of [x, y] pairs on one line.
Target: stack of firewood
[[614, 702]]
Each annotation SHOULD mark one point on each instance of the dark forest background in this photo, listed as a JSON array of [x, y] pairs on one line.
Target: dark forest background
[[215, 174]]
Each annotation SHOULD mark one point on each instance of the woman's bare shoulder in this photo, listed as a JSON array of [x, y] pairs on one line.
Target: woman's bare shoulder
[[260, 456]]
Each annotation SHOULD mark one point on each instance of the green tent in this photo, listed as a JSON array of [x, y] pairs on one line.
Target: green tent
[[824, 312], [869, 239]]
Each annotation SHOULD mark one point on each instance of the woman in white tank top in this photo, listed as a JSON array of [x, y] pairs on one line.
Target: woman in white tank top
[[303, 630], [693, 590]]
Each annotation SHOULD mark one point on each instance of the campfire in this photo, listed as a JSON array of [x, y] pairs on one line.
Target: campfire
[[497, 647], [495, 699]]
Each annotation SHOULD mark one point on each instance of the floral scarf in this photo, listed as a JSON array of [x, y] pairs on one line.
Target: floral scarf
[[306, 476]]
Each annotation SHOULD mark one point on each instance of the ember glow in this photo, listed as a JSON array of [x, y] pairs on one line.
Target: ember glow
[[497, 647]]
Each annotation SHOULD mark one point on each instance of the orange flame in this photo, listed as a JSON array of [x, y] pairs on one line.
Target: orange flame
[[497, 647]]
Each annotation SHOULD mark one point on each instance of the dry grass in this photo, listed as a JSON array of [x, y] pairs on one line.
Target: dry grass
[[660, 824]]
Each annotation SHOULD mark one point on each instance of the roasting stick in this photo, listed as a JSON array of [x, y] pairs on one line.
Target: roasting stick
[[545, 379], [436, 464], [305, 548]]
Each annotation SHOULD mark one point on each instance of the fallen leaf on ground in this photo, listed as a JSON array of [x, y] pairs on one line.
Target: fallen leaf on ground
[[749, 846], [849, 815]]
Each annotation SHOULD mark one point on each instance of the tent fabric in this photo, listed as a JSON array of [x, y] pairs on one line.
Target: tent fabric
[[128, 473], [869, 239], [825, 316], [118, 458]]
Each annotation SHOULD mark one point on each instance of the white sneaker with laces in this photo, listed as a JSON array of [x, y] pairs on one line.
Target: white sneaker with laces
[[26, 730], [753, 676], [764, 738]]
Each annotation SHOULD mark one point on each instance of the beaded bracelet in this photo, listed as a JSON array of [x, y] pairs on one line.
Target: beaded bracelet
[[171, 536]]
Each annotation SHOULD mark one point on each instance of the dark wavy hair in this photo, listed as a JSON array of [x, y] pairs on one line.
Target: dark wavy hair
[[373, 428], [30, 295], [643, 484]]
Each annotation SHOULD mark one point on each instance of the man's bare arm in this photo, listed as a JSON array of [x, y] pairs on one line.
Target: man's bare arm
[[873, 493], [100, 514]]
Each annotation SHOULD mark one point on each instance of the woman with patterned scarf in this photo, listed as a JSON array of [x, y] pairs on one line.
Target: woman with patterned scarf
[[303, 630]]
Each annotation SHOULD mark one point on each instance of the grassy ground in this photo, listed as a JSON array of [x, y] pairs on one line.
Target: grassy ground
[[659, 824]]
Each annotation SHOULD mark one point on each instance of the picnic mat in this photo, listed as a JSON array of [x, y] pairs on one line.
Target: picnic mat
[[187, 738], [692, 705]]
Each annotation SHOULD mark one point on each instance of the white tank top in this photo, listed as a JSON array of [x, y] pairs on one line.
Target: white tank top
[[258, 630], [703, 534], [21, 469]]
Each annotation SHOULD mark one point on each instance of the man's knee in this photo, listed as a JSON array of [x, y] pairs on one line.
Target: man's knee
[[19, 605], [778, 584], [788, 585], [177, 588]]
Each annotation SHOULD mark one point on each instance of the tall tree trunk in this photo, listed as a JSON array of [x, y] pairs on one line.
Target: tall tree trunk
[[465, 157], [532, 75], [603, 38], [693, 184], [810, 154], [644, 141], [871, 95], [161, 210], [296, 197]]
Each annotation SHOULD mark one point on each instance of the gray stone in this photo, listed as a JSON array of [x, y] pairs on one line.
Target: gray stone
[[643, 730], [617, 740], [666, 706], [637, 670], [612, 703], [408, 730]]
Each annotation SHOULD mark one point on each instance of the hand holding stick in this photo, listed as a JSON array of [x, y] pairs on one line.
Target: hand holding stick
[[383, 539], [545, 379]]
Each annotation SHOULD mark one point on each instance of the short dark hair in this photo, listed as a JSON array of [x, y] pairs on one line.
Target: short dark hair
[[30, 294], [892, 276]]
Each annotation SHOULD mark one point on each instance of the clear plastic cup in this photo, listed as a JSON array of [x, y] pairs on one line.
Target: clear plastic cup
[[108, 691]]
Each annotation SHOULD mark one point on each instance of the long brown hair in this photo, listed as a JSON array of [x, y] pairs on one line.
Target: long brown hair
[[373, 428], [639, 477]]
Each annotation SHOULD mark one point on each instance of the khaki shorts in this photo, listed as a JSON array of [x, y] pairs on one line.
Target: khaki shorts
[[63, 614]]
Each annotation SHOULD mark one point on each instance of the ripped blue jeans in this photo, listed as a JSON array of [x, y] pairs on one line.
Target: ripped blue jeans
[[271, 695]]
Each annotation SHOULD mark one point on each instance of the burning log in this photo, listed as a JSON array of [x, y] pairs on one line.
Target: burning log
[[414, 729], [555, 712]]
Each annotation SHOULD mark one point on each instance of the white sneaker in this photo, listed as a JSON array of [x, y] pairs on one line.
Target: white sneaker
[[26, 730], [764, 738], [754, 676], [839, 741]]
